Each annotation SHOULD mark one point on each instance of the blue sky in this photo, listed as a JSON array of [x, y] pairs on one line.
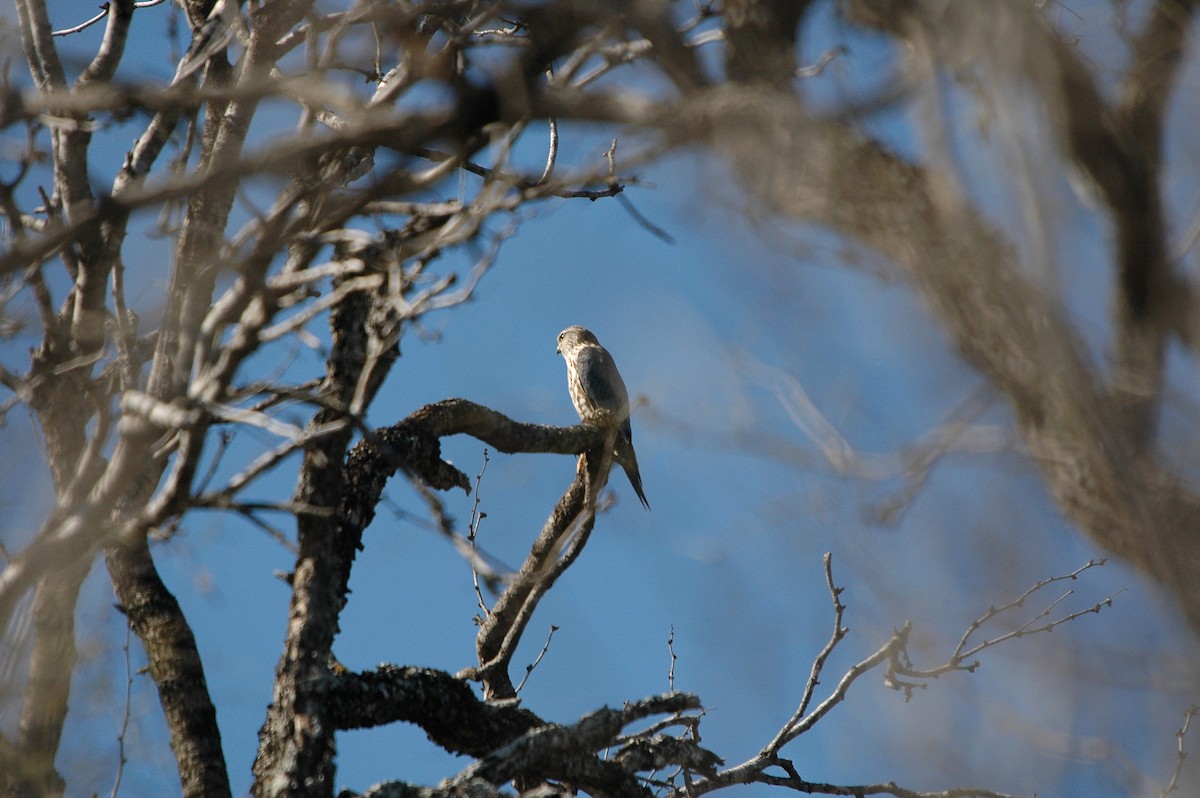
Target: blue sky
[[730, 556]]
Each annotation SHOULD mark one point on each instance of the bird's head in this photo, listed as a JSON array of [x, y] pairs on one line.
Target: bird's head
[[574, 337]]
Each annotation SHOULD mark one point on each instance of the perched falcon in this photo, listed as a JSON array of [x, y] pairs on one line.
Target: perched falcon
[[599, 395]]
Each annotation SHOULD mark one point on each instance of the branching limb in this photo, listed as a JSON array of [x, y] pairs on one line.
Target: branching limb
[[510, 742], [412, 446], [554, 752], [900, 669], [962, 652], [899, 673], [558, 545]]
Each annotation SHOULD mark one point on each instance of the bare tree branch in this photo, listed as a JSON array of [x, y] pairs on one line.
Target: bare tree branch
[[893, 656]]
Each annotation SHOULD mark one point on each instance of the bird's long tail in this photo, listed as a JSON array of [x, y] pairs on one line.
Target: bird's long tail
[[625, 455]]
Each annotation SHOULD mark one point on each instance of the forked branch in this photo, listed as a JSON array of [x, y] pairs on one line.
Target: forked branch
[[899, 674]]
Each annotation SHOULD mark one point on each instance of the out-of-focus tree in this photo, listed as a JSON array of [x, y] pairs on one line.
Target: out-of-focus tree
[[355, 119]]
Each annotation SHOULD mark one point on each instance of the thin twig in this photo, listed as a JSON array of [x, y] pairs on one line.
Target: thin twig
[[489, 568], [961, 652], [839, 632], [1173, 784], [790, 730], [529, 668], [671, 651], [121, 758], [477, 517]]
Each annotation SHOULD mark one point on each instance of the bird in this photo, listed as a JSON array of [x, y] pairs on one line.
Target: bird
[[599, 396]]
